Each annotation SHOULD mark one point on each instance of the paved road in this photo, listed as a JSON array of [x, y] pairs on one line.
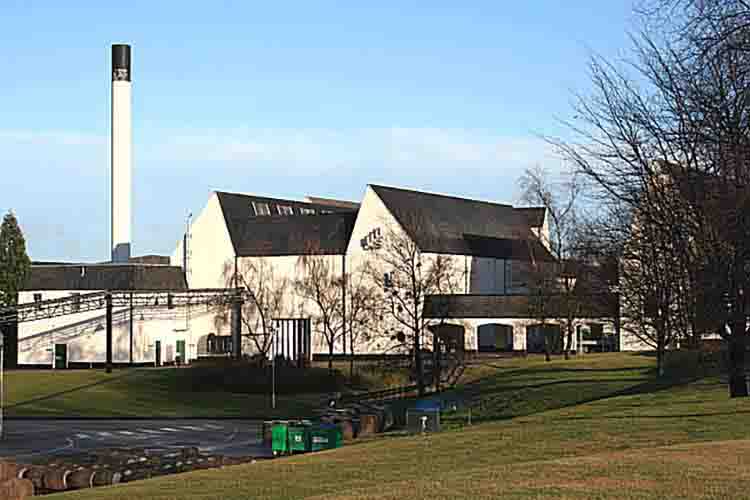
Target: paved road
[[34, 439]]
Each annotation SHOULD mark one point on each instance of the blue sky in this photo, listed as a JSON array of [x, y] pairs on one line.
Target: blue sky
[[282, 99]]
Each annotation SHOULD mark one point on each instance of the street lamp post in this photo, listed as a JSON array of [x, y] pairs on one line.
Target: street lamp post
[[273, 369]]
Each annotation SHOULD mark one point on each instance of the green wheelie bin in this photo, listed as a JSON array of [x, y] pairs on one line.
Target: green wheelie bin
[[299, 437], [325, 436], [280, 438]]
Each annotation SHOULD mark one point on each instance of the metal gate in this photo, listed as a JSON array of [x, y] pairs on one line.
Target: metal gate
[[291, 340]]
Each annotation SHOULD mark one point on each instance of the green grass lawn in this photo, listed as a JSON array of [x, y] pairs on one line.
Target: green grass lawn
[[591, 428], [201, 391], [138, 393]]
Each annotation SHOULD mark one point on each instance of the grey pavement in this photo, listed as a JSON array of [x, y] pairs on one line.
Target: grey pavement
[[27, 440]]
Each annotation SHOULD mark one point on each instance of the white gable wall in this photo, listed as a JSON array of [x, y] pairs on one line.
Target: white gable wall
[[287, 269], [210, 248]]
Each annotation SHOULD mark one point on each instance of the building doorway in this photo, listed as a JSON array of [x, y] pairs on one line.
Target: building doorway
[[157, 348], [495, 337], [61, 356], [537, 335]]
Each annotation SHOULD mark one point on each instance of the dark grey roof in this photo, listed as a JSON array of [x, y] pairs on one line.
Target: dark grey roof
[[295, 235], [534, 215], [509, 306], [330, 202], [447, 224], [105, 277], [326, 232]]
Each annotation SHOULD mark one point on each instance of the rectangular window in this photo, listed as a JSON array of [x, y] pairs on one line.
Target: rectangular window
[[307, 211], [76, 302], [261, 208], [285, 210], [595, 331]]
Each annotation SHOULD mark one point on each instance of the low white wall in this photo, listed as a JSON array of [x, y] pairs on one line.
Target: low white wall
[[84, 334]]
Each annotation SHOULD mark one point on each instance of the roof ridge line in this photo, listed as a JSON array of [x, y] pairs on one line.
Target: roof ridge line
[[441, 195]]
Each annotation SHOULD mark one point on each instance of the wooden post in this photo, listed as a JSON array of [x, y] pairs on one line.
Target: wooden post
[[237, 327]]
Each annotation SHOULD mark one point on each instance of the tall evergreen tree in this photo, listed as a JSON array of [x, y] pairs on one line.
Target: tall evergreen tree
[[15, 264]]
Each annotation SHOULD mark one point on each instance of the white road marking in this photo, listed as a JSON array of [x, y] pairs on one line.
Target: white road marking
[[192, 428]]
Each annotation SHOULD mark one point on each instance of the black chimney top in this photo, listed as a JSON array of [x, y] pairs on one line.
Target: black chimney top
[[120, 63]]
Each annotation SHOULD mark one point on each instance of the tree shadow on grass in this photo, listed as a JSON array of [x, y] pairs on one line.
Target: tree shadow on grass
[[72, 390], [486, 408]]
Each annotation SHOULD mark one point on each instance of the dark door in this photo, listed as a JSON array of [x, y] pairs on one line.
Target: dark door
[[181, 351], [157, 347], [61, 356]]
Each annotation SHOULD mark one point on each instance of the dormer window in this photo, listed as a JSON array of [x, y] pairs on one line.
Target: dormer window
[[261, 208], [307, 211], [285, 210]]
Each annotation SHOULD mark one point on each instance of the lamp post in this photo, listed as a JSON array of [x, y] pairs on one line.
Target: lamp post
[[273, 368]]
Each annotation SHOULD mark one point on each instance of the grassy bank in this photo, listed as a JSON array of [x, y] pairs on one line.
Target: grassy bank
[[596, 427], [140, 393], [203, 390]]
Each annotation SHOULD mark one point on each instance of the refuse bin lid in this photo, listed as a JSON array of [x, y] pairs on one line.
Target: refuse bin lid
[[427, 404]]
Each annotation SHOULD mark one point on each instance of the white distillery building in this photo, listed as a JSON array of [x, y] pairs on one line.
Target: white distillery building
[[490, 246]]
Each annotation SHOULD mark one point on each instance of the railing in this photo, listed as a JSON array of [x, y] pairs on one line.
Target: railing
[[75, 304], [382, 395]]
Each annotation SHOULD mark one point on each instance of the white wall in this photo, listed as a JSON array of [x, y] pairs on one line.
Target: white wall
[[85, 333], [287, 269], [210, 248], [629, 341]]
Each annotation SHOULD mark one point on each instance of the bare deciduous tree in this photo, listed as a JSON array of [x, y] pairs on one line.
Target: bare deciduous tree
[[681, 134], [322, 286], [264, 302], [555, 282], [407, 275], [363, 310]]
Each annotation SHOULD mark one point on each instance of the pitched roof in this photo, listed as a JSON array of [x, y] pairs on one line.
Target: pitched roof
[[105, 277], [509, 306], [534, 215], [447, 224], [325, 232], [330, 202], [292, 235]]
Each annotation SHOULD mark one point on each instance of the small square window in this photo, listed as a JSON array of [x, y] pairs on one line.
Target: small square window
[[261, 208], [307, 211], [285, 210]]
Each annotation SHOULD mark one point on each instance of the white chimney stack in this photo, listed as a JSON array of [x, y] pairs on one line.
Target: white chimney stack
[[121, 152]]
